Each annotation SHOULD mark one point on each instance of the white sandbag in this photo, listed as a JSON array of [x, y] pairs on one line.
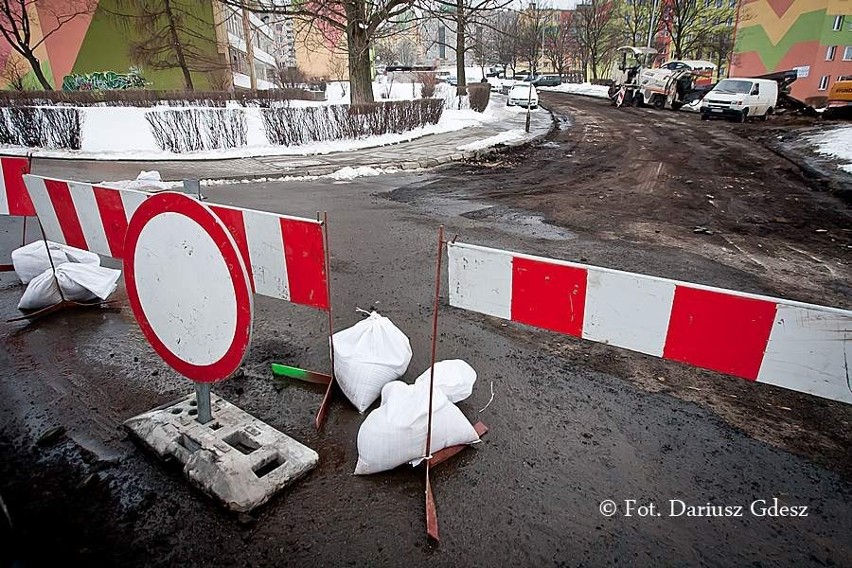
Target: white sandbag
[[31, 260], [395, 432], [453, 377], [367, 356], [78, 282]]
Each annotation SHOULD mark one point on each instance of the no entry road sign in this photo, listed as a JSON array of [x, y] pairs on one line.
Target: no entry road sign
[[188, 287]]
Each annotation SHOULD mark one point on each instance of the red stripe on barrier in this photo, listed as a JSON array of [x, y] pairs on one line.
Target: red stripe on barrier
[[113, 219], [233, 220], [547, 295], [719, 331], [66, 214], [19, 198], [305, 256]]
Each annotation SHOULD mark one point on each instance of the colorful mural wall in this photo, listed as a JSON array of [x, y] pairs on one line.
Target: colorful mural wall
[[777, 35], [99, 40]]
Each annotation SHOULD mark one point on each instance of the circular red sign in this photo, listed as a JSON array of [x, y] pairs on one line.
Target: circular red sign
[[188, 287]]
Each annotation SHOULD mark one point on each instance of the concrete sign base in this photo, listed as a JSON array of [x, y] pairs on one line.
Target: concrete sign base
[[235, 458]]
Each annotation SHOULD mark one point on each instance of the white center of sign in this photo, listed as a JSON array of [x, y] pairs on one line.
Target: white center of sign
[[185, 288]]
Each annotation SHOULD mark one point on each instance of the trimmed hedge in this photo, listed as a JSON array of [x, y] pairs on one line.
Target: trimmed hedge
[[39, 127], [189, 130], [293, 126]]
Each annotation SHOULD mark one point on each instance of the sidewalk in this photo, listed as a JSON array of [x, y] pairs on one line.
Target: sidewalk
[[425, 152]]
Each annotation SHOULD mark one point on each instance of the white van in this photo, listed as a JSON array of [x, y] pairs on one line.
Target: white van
[[740, 99]]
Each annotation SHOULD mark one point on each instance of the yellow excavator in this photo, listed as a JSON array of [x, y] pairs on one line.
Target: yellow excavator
[[840, 99]]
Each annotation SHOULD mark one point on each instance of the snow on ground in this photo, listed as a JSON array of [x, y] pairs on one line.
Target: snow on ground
[[344, 174], [836, 142], [580, 89], [515, 135]]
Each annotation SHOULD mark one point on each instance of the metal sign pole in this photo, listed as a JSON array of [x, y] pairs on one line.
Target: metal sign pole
[[202, 397]]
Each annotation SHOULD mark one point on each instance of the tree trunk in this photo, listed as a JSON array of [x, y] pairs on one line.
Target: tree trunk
[[461, 88], [249, 50], [36, 65], [187, 78], [360, 75]]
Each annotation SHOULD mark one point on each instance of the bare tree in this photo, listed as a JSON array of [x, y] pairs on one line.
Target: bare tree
[[362, 22], [13, 73], [468, 20], [560, 46], [531, 37], [503, 38], [691, 24], [173, 37], [16, 26], [596, 32], [634, 18]]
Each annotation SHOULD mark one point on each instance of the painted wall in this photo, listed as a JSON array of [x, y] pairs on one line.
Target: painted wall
[[100, 41], [321, 50], [777, 35]]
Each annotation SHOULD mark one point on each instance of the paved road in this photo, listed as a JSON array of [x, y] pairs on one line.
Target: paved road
[[424, 152], [564, 435]]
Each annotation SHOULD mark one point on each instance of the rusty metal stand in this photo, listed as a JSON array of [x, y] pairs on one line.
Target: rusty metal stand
[[431, 511], [322, 413]]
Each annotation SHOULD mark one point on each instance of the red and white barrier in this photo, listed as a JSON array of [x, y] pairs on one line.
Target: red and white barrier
[[798, 346], [285, 255], [14, 199]]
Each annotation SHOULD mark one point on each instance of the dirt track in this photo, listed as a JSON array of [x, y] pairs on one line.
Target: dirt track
[[572, 423]]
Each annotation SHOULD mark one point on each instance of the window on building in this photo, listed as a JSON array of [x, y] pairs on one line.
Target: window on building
[[847, 53], [718, 3], [442, 42], [838, 23], [823, 82], [732, 4], [830, 52]]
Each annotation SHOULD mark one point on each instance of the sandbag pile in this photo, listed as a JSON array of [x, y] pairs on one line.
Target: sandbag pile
[[79, 276], [395, 433], [367, 356]]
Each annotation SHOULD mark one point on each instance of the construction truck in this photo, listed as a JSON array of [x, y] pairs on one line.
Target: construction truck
[[675, 83], [632, 62]]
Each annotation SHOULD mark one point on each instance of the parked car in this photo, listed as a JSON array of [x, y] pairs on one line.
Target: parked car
[[452, 80], [740, 99], [547, 81], [522, 95]]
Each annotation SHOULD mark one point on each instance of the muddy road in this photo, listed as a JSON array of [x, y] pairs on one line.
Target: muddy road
[[572, 423]]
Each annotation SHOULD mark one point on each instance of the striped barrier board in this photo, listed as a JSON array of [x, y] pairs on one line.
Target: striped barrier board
[[285, 255], [802, 347], [14, 198]]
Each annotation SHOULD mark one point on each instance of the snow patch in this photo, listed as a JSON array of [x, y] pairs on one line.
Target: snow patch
[[587, 89], [503, 138], [836, 142]]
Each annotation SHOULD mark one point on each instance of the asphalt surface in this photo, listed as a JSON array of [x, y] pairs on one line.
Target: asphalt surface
[[570, 423]]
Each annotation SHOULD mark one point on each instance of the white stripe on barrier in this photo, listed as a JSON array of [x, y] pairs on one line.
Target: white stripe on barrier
[[44, 209], [806, 347], [89, 215], [131, 200], [628, 310], [266, 248], [4, 199], [482, 282]]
